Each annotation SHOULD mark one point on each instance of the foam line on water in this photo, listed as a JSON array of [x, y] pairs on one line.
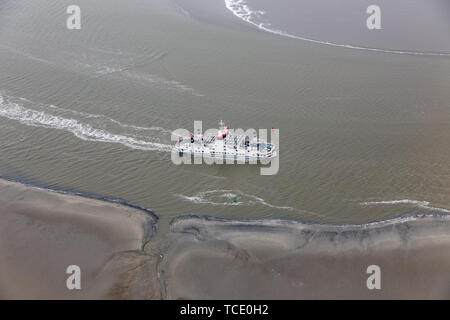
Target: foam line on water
[[99, 68], [31, 117], [27, 55], [123, 125], [224, 197], [241, 10], [417, 203]]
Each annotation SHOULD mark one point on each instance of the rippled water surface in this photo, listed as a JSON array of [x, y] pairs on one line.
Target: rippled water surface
[[363, 135]]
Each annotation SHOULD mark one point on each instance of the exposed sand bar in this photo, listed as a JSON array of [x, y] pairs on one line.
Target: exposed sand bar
[[207, 258], [43, 232]]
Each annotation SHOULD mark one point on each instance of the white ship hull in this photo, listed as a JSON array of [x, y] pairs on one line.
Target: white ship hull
[[207, 155], [226, 146]]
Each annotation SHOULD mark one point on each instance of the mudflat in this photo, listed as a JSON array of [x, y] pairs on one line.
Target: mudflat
[[42, 233], [209, 258]]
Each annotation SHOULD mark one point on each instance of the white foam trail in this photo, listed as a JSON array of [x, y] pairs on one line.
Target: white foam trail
[[161, 82], [27, 55], [107, 70], [241, 10], [418, 203], [226, 198], [84, 131], [123, 125], [100, 70], [404, 201], [153, 79], [202, 197]]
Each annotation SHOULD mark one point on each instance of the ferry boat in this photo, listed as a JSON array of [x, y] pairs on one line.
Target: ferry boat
[[225, 144]]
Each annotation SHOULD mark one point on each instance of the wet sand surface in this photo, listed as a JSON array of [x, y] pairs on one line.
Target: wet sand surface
[[209, 258], [42, 232]]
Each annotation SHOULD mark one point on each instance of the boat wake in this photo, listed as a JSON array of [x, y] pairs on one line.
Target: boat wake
[[241, 9], [416, 203], [100, 63], [85, 126]]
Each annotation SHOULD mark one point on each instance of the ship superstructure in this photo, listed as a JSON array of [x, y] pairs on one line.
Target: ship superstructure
[[225, 144]]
